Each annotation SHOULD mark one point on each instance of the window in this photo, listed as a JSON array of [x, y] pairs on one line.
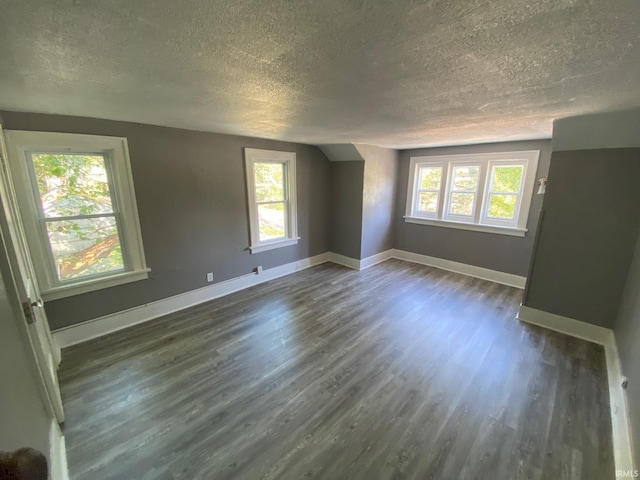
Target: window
[[485, 192], [428, 190], [78, 207], [271, 187], [463, 192]]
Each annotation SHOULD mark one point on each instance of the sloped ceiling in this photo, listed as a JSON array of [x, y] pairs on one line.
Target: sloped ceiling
[[394, 74], [344, 152]]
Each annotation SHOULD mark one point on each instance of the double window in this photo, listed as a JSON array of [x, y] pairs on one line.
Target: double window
[[486, 192], [271, 187], [78, 209]]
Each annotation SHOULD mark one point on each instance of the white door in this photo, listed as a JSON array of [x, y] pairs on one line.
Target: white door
[[43, 344]]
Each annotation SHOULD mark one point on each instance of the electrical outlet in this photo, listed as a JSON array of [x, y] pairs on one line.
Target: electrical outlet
[[210, 277], [259, 269]]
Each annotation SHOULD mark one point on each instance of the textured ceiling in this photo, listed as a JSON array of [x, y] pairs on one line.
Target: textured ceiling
[[395, 74]]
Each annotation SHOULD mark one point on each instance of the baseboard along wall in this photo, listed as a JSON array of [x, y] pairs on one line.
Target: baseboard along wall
[[98, 327], [621, 427], [449, 265], [360, 264], [463, 268], [57, 453]]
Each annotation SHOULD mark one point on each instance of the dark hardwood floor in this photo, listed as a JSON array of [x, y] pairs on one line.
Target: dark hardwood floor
[[400, 371]]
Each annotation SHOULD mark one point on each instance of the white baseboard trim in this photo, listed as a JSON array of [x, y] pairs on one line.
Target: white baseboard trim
[[566, 325], [98, 327], [618, 402], [344, 261], [621, 430], [375, 259], [57, 453], [463, 268], [360, 264]]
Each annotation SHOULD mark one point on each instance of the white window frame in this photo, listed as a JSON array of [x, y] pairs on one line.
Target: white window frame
[[288, 161], [115, 150], [415, 187], [479, 220], [455, 217]]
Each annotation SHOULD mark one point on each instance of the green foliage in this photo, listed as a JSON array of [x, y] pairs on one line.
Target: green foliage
[[462, 203], [502, 206], [268, 231], [465, 178], [269, 179], [271, 220], [73, 185], [428, 201], [270, 187], [506, 179], [430, 178]]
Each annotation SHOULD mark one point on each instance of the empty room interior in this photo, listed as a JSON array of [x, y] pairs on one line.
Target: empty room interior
[[320, 240]]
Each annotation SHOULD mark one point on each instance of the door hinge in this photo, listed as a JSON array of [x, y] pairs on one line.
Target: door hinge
[[27, 309]]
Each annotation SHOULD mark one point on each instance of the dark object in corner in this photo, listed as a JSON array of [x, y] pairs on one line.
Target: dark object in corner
[[23, 464]]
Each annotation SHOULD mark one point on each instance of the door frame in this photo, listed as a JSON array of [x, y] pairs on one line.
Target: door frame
[[57, 448], [45, 348]]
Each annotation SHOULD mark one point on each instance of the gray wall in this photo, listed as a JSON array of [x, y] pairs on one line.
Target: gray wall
[[379, 196], [341, 152], [497, 252], [587, 237], [192, 202], [347, 183], [627, 333], [24, 420], [363, 194], [603, 130]]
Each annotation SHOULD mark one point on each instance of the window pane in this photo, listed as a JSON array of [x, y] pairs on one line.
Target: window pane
[[465, 178], [462, 203], [271, 220], [269, 179], [507, 179], [502, 206], [428, 202], [430, 178], [85, 247], [72, 185]]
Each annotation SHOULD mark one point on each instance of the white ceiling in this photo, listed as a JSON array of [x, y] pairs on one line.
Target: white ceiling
[[395, 74]]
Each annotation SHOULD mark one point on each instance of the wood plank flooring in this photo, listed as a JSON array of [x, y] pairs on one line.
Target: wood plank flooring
[[400, 371]]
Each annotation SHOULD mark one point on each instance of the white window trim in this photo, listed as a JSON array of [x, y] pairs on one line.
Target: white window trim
[[448, 181], [288, 159], [413, 187], [486, 220], [19, 143], [480, 221], [514, 232]]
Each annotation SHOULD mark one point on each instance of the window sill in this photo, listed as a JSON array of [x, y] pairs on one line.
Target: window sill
[[263, 247], [515, 232], [64, 291]]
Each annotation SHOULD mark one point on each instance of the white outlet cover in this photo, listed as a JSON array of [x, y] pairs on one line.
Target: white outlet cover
[[209, 277]]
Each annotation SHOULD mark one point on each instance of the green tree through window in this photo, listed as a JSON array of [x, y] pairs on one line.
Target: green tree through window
[[270, 196], [78, 213], [505, 187]]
